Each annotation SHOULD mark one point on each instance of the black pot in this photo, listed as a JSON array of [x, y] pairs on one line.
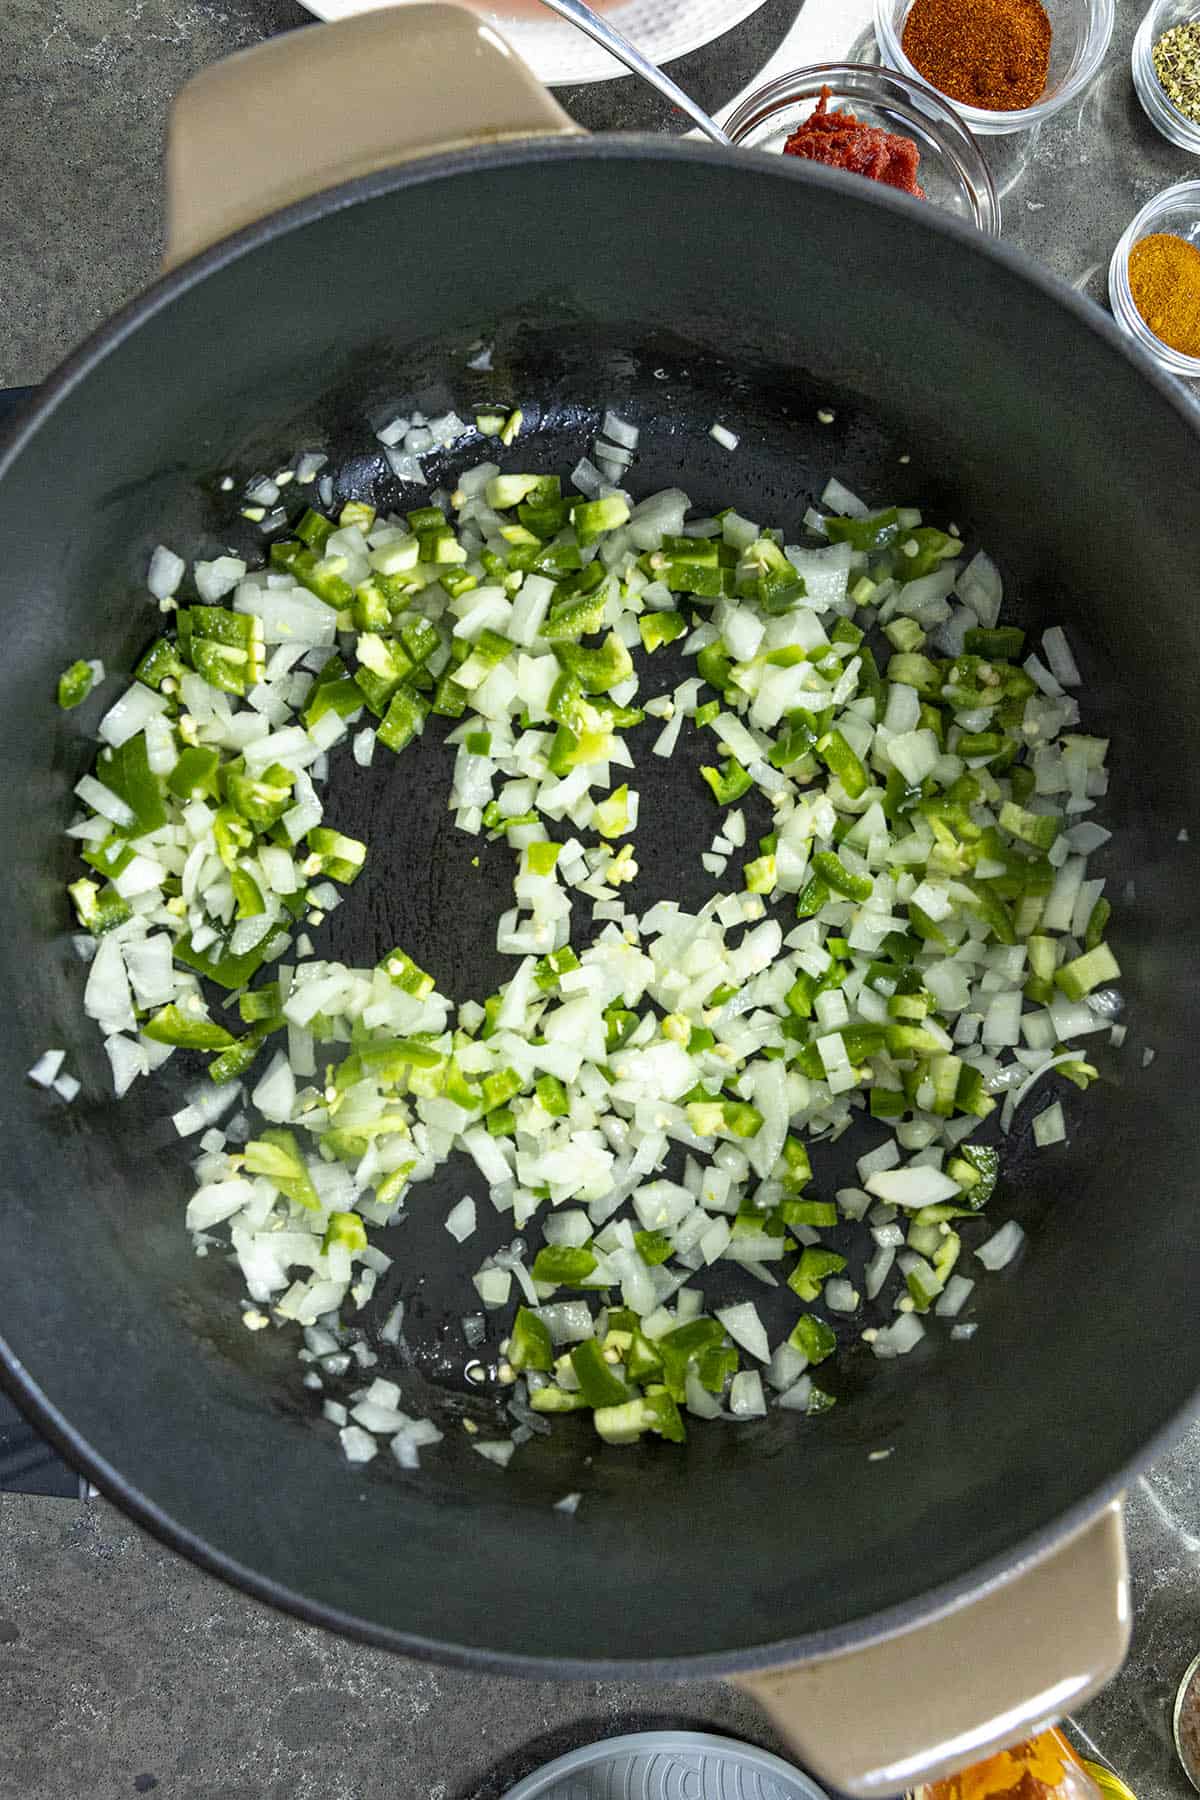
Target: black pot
[[684, 284]]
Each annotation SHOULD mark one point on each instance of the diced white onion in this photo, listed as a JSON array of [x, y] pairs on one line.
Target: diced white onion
[[1000, 1250], [165, 573], [45, 1070]]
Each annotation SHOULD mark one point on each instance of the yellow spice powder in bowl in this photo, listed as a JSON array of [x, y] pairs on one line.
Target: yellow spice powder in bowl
[[1164, 278], [1154, 279]]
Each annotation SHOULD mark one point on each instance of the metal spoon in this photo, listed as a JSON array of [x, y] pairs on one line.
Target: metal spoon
[[580, 14]]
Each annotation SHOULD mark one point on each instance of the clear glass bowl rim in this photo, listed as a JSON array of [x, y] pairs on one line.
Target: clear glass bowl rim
[[868, 82], [1101, 19], [1162, 113], [1120, 294]]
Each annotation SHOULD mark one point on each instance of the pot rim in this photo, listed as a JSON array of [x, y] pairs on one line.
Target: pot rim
[[927, 1607]]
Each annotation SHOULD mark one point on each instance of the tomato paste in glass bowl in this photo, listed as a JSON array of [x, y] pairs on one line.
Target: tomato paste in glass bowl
[[877, 124]]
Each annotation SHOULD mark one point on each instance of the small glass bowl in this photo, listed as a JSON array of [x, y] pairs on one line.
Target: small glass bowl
[[1081, 31], [1166, 118], [1177, 210], [953, 172]]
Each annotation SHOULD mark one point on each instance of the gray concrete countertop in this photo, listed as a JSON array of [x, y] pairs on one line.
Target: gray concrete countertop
[[123, 1669]]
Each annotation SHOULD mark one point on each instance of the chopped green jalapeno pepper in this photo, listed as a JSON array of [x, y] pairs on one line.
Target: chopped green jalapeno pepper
[[599, 1382], [1002, 643], [797, 741], [111, 857], [684, 1345], [812, 897], [729, 782], [195, 775], [814, 1265], [225, 647], [312, 571], [345, 1231], [261, 1005], [760, 875], [500, 1087], [592, 518], [233, 1063], [976, 1168], [563, 1266], [778, 592], [219, 963], [1085, 973], [656, 1411], [260, 799], [314, 529], [333, 691], [904, 634], [161, 668], [339, 857], [1100, 915], [619, 1027], [871, 533], [659, 628], [818, 1213], [797, 1166], [597, 671], [843, 764], [919, 552], [714, 665], [1038, 829], [814, 1339], [653, 1247], [276, 1154], [126, 772], [75, 684], [247, 894], [553, 1399], [98, 911], [916, 672], [399, 967], [171, 1025], [552, 1096], [405, 716], [724, 1118], [529, 1346], [830, 869]]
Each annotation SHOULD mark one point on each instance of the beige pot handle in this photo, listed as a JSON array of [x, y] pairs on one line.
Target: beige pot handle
[[924, 1704], [318, 106]]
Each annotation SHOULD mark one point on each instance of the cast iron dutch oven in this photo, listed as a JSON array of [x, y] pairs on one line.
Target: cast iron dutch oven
[[898, 1615]]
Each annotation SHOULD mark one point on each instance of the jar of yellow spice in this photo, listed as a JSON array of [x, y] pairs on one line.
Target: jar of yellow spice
[[1154, 279], [1046, 1767]]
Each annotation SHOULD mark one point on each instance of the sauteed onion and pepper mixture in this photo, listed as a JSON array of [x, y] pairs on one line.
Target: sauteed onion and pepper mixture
[[903, 935]]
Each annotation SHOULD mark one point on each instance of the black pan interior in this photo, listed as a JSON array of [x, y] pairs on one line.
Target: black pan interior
[[956, 380]]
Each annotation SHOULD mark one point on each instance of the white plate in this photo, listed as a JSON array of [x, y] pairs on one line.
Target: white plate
[[667, 1765], [561, 56]]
